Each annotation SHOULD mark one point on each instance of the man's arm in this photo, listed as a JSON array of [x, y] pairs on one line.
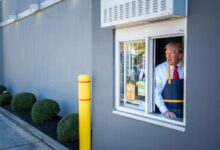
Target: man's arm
[[157, 92], [158, 97]]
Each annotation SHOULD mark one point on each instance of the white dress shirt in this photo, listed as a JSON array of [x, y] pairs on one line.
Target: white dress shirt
[[161, 77]]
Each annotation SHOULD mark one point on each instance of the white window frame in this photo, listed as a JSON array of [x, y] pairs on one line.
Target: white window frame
[[148, 33]]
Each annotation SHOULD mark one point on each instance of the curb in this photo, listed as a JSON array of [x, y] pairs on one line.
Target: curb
[[35, 132]]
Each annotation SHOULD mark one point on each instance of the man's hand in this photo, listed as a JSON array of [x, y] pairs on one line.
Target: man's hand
[[169, 114]]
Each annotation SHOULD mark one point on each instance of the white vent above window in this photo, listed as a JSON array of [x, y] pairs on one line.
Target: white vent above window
[[116, 13]]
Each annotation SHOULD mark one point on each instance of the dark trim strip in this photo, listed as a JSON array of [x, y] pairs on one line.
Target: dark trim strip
[[84, 99], [84, 81]]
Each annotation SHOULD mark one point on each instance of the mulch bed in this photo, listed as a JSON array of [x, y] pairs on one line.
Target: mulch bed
[[48, 128]]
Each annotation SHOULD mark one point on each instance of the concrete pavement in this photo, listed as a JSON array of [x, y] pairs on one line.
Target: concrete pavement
[[15, 134]]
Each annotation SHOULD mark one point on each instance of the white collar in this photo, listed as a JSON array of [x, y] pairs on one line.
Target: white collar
[[179, 65]]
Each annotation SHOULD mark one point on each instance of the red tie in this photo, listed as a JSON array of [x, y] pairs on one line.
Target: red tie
[[175, 73]]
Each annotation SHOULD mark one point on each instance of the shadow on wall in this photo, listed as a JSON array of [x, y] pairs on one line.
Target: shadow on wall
[[1, 47]]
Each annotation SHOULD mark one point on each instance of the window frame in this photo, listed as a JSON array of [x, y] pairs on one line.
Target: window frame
[[149, 68], [117, 76]]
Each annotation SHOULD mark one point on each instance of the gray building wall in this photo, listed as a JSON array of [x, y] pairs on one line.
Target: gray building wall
[[114, 132], [46, 52], [1, 51]]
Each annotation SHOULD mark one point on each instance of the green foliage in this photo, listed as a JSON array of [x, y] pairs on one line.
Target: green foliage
[[2, 89], [44, 110], [5, 98], [68, 128], [23, 101]]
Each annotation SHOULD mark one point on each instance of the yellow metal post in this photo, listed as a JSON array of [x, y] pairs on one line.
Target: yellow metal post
[[84, 112]]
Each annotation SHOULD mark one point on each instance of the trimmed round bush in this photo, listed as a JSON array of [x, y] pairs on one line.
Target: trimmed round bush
[[5, 98], [2, 89], [44, 110], [68, 128], [23, 101]]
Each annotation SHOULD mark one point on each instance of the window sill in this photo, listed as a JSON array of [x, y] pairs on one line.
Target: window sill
[[153, 119]]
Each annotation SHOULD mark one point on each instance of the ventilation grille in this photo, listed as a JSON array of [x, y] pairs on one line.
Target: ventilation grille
[[121, 12], [155, 6], [163, 5], [147, 6], [125, 11], [115, 13], [140, 7]]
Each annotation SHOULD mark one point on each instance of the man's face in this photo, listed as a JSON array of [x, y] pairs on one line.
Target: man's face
[[173, 57]]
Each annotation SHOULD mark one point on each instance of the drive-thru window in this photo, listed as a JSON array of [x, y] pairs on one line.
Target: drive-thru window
[[138, 50], [143, 28]]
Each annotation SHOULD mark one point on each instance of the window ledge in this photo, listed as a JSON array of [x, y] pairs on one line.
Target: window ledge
[[151, 120]]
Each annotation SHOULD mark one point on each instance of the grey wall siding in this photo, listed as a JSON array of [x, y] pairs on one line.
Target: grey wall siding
[[203, 75], [102, 70], [1, 58], [45, 53], [202, 129], [1, 46]]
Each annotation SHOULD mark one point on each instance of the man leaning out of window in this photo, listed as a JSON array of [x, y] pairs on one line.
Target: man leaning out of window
[[169, 82]]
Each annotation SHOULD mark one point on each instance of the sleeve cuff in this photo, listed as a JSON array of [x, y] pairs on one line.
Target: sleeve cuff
[[163, 109]]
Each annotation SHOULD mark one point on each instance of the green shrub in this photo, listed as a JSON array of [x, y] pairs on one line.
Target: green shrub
[[5, 98], [44, 110], [23, 101], [68, 128], [2, 89]]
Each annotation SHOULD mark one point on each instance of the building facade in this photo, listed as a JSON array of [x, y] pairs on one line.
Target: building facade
[[44, 54]]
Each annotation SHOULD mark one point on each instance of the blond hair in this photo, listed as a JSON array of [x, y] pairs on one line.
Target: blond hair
[[176, 45]]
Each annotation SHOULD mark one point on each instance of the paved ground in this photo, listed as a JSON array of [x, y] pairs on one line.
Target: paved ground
[[13, 137], [15, 134]]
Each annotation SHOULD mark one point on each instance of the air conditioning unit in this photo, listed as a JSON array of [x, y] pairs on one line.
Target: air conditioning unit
[[117, 13]]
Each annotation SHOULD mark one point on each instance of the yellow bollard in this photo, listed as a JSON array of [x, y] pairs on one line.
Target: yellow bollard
[[84, 112]]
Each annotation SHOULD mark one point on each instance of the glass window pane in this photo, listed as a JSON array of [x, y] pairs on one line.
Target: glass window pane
[[132, 74]]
